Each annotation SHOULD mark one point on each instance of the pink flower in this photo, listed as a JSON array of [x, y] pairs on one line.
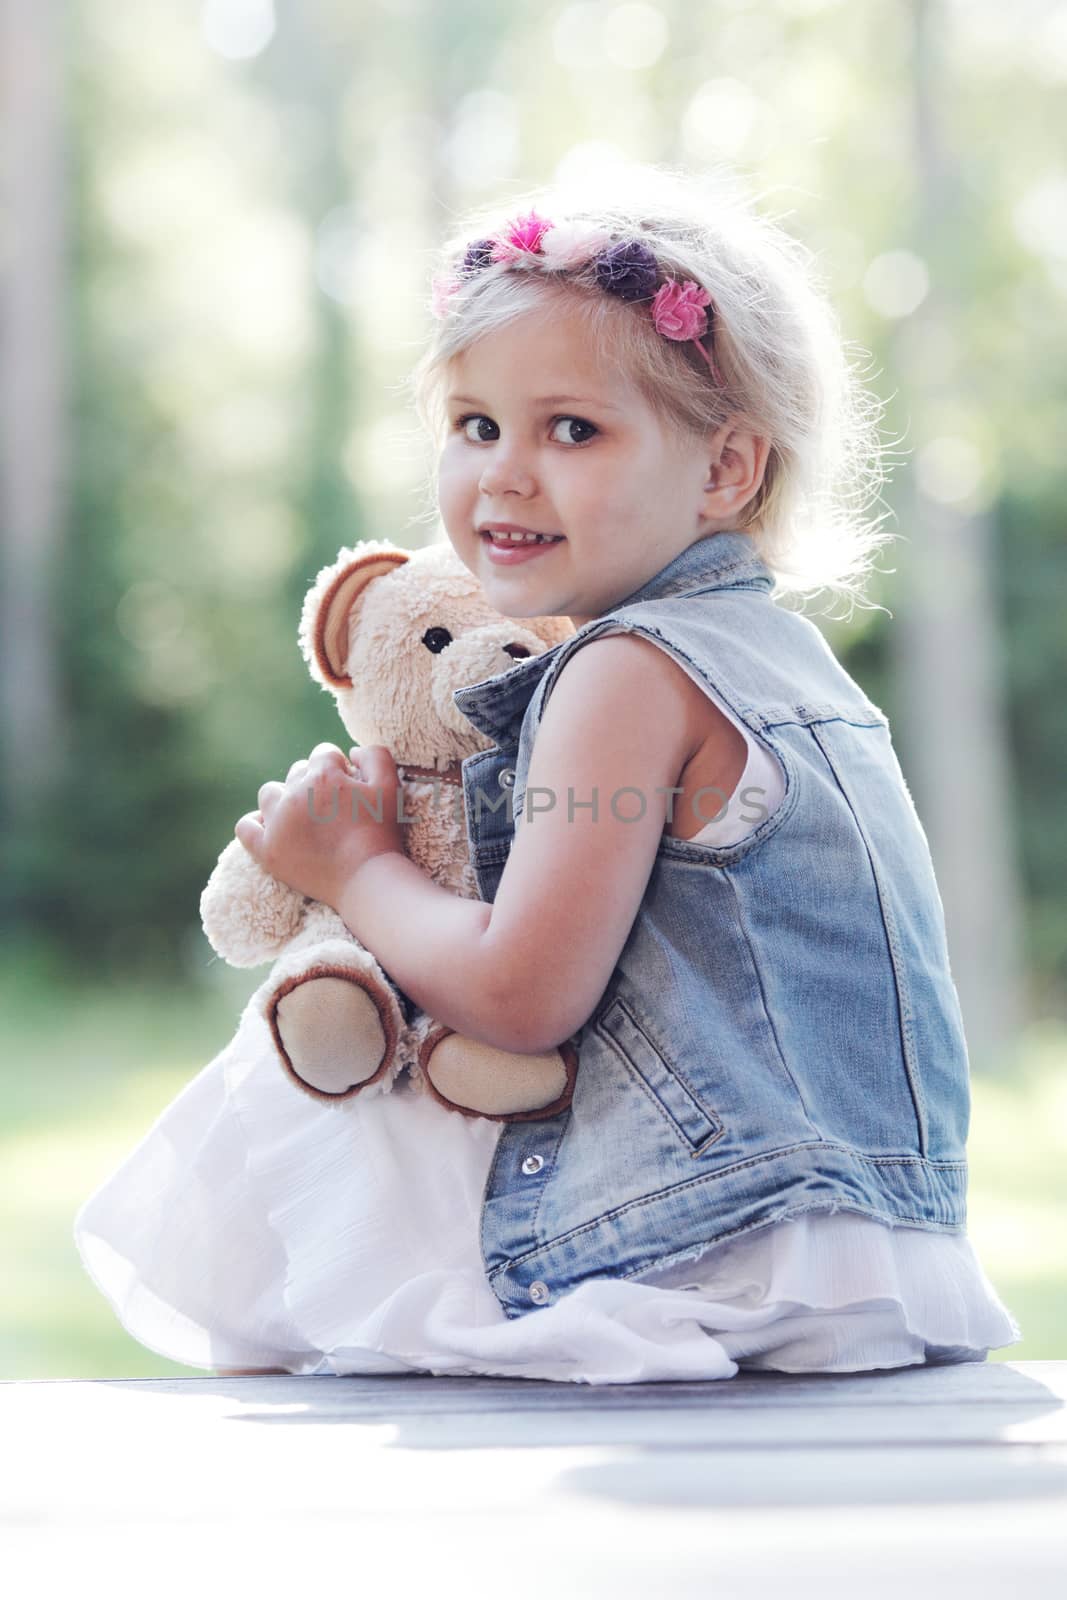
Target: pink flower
[[678, 310], [442, 290], [521, 237]]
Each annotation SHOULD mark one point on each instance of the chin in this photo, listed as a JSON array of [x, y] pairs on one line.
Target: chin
[[518, 612]]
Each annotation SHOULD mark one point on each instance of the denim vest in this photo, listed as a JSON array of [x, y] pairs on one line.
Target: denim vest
[[781, 1033]]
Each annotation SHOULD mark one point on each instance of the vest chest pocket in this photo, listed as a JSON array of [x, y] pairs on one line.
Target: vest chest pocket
[[691, 1121]]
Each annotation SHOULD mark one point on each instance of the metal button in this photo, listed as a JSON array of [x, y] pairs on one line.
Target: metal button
[[506, 778], [533, 1164], [539, 1292]]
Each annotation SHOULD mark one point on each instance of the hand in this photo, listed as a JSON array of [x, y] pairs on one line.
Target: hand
[[315, 830]]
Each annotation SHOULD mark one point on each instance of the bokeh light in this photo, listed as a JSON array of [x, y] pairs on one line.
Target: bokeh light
[[949, 469], [1040, 216], [635, 36], [482, 147], [896, 283], [577, 36], [237, 29], [337, 244], [151, 613], [719, 119]]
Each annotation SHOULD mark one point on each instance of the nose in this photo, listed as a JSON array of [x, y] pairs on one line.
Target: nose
[[505, 473]]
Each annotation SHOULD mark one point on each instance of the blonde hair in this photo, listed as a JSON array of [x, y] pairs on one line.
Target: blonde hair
[[772, 330]]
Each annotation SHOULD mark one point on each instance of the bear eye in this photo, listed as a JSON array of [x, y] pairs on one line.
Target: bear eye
[[436, 639]]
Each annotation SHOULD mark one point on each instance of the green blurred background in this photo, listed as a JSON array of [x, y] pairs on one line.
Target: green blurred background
[[217, 225]]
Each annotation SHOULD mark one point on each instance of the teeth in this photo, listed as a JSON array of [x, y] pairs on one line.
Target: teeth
[[522, 538]]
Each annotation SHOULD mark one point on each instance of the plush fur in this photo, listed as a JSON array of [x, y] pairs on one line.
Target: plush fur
[[338, 1022]]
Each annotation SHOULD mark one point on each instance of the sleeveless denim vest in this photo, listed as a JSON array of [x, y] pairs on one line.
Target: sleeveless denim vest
[[781, 1033]]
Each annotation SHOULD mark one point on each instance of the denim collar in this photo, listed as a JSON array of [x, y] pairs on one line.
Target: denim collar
[[720, 561]]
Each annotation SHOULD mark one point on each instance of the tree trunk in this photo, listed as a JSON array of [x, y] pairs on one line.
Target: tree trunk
[[33, 444], [946, 636]]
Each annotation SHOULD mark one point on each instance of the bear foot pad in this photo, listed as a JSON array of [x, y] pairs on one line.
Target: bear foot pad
[[481, 1081], [330, 1032]]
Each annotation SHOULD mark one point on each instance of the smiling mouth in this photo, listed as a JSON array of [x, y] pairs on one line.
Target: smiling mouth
[[505, 541]]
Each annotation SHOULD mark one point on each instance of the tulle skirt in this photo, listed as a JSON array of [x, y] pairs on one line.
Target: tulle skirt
[[255, 1227]]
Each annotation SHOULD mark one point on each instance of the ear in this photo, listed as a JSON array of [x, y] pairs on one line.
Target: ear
[[737, 463], [328, 605]]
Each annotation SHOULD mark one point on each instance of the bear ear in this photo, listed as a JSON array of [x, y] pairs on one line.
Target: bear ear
[[324, 620]]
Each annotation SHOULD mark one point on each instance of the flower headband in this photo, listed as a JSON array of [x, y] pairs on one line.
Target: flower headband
[[626, 268]]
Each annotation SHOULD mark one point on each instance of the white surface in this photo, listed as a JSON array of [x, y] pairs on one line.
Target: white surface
[[947, 1482]]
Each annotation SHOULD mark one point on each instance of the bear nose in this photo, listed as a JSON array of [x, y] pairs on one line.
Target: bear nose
[[516, 650]]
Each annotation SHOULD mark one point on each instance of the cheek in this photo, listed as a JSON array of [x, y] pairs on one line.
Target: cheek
[[598, 490], [453, 484], [614, 500]]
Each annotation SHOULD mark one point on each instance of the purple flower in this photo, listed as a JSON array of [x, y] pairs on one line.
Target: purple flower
[[627, 269], [478, 255]]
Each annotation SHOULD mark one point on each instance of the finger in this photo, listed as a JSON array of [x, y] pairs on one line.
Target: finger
[[328, 767], [269, 794], [376, 755], [297, 770], [326, 751], [377, 764], [249, 831]]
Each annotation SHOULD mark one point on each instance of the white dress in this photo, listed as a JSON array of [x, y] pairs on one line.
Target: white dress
[[254, 1226]]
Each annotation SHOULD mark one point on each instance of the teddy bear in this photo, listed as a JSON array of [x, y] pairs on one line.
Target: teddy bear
[[390, 633]]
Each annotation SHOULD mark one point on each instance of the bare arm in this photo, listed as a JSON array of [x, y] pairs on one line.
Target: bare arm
[[620, 717], [430, 941], [527, 971]]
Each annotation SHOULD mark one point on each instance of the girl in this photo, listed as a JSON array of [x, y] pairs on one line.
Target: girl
[[645, 422]]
